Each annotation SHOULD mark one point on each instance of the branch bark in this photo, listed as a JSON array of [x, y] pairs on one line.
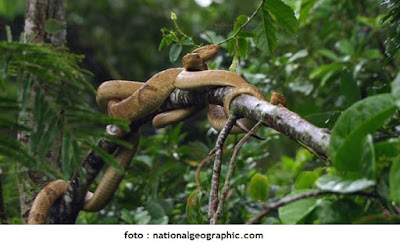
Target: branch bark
[[279, 118]]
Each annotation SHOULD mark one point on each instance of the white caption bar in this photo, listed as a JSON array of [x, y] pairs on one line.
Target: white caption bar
[[197, 233]]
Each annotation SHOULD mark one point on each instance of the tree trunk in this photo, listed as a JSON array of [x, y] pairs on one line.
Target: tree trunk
[[37, 13]]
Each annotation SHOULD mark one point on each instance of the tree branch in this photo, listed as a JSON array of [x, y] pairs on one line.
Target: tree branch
[[231, 167], [286, 201], [213, 200], [279, 118]]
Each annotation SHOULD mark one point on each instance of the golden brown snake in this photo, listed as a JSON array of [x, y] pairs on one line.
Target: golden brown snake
[[134, 101]]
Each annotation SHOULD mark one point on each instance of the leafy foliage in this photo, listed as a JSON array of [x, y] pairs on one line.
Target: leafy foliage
[[336, 62]]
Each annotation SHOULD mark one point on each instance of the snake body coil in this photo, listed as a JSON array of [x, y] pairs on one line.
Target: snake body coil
[[135, 100]]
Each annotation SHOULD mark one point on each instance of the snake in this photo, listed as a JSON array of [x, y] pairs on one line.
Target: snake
[[135, 100]]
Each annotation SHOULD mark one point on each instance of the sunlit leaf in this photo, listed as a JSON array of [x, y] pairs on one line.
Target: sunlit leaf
[[343, 184], [283, 15], [306, 180]]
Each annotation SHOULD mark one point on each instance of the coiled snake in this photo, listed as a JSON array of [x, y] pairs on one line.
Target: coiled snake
[[135, 100]]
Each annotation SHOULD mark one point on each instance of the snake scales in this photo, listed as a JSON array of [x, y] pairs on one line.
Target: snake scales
[[135, 100]]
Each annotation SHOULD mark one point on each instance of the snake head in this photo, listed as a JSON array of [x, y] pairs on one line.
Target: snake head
[[207, 52], [193, 62]]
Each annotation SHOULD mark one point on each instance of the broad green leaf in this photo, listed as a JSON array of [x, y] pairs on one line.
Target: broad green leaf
[[193, 208], [394, 180], [267, 34], [174, 52], [306, 180], [367, 165], [295, 212], [283, 15], [258, 187], [388, 148], [348, 137], [343, 211], [54, 26], [343, 184], [349, 87]]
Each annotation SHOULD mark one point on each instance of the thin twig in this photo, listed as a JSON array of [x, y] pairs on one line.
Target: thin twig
[[231, 167], [244, 25], [286, 201], [213, 202]]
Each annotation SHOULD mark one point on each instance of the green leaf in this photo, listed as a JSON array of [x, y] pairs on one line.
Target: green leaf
[[343, 184], [265, 41], [396, 89], [373, 54], [343, 211], [348, 137], [323, 120], [240, 20], [329, 54], [127, 216], [157, 213], [297, 211], [388, 148], [394, 180], [193, 208], [243, 47], [174, 52], [54, 26], [325, 72], [299, 54], [269, 32], [258, 187], [349, 87], [306, 6], [283, 15], [345, 47], [306, 180]]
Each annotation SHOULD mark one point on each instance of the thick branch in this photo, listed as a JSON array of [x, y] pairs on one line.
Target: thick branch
[[279, 118]]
